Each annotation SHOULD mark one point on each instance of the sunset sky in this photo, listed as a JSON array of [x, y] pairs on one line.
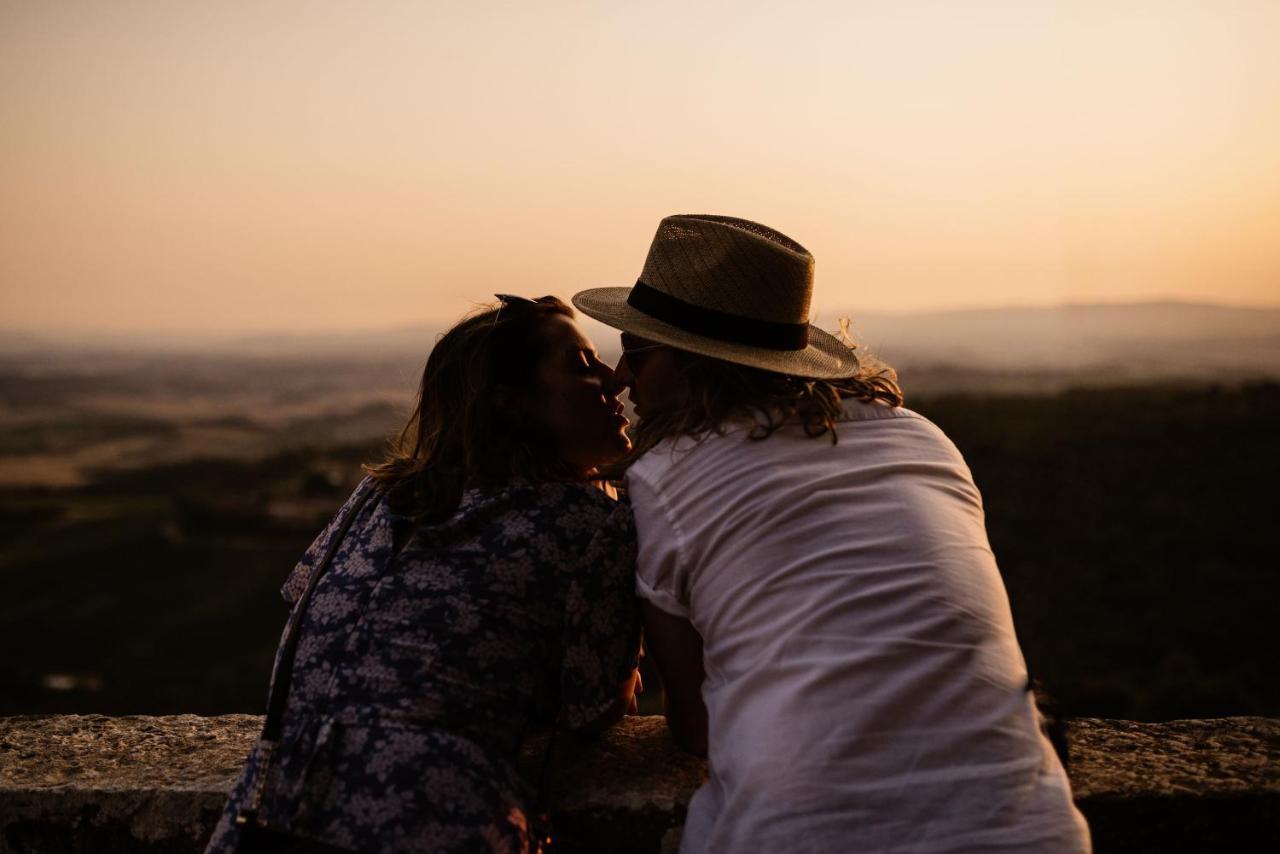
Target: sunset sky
[[222, 168]]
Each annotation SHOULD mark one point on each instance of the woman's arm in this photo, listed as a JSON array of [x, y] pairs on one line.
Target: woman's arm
[[676, 648]]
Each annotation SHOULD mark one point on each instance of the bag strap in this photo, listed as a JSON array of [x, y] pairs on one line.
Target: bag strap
[[279, 695], [284, 677]]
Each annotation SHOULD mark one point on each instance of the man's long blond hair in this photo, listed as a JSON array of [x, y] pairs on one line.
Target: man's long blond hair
[[723, 394]]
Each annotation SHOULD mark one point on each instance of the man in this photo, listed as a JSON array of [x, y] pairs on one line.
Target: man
[[820, 598]]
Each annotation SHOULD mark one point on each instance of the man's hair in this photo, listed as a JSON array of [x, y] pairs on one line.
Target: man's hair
[[723, 394], [461, 434]]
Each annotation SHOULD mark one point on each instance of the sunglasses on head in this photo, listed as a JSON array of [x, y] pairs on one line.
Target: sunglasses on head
[[514, 301]]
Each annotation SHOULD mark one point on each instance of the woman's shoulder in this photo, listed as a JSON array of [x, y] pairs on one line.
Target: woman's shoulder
[[604, 498], [568, 506], [363, 501], [586, 502], [583, 513], [583, 494]]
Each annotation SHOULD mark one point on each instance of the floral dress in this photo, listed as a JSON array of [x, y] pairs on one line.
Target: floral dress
[[419, 672]]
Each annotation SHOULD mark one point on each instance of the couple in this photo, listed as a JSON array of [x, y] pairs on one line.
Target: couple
[[814, 579]]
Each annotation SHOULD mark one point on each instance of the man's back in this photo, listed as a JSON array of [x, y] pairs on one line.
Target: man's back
[[864, 687]]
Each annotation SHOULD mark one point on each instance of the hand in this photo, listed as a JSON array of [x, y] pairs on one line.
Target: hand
[[607, 487], [632, 686]]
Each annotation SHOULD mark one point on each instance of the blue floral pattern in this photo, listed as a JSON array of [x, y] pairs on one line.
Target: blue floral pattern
[[420, 672]]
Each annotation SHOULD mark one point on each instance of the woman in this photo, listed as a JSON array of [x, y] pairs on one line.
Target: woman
[[483, 591]]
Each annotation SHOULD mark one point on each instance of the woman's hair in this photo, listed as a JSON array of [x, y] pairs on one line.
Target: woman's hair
[[462, 433], [722, 393]]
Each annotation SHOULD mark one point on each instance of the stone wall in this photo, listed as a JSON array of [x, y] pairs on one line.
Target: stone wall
[[157, 784]]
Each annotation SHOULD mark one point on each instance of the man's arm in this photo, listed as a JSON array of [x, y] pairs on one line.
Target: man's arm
[[676, 649]]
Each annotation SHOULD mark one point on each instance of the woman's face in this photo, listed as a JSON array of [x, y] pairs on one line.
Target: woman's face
[[575, 397]]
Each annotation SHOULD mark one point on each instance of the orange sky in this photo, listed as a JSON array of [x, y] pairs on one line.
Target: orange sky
[[233, 167]]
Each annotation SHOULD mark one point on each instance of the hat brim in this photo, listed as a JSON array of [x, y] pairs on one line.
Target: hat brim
[[825, 358]]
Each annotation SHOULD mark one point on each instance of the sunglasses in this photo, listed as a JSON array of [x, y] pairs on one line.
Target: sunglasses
[[514, 301]]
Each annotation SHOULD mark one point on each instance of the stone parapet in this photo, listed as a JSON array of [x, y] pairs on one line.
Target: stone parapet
[[89, 783]]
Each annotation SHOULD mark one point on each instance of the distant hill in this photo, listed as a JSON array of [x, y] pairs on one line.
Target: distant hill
[[1139, 340], [1133, 342]]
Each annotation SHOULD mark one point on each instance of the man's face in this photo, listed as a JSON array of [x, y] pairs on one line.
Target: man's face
[[653, 375]]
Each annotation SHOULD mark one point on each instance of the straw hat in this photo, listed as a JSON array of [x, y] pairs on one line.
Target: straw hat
[[727, 288]]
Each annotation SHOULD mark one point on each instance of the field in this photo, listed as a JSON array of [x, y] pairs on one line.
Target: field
[[149, 513]]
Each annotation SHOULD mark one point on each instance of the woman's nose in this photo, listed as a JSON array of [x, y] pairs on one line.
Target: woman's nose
[[609, 380], [622, 373]]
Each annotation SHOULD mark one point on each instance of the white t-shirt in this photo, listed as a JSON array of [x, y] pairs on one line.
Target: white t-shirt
[[864, 686]]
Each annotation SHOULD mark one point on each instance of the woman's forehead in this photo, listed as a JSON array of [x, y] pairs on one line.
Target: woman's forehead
[[565, 334]]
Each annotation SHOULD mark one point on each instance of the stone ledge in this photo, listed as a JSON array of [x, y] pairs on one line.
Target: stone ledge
[[157, 784]]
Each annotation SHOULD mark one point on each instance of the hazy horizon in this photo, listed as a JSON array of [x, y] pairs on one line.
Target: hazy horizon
[[188, 168], [161, 339]]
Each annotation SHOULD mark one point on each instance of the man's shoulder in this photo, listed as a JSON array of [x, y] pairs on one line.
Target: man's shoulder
[[854, 410], [689, 456], [683, 453]]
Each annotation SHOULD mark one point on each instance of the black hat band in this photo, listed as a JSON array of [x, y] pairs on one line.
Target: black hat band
[[716, 324]]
